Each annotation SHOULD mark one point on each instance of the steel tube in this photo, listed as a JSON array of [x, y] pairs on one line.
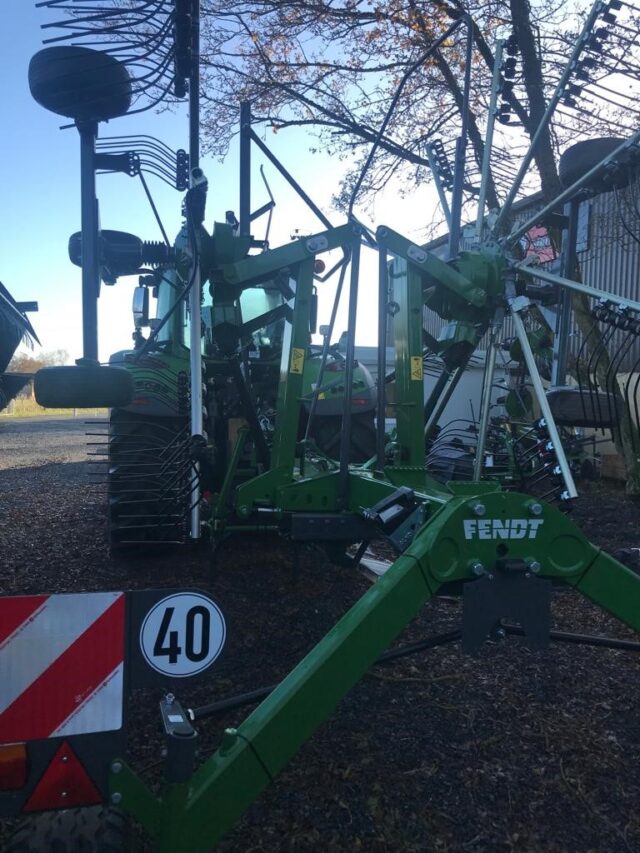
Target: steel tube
[[90, 237], [461, 148], [195, 324], [194, 88], [563, 325], [383, 293], [441, 383], [444, 399], [254, 696], [488, 142], [544, 404], [444, 204], [290, 179], [579, 639], [569, 68], [537, 272], [245, 168], [345, 440], [195, 362], [485, 407]]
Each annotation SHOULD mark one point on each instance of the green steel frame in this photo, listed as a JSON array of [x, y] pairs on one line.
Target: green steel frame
[[465, 530], [192, 817]]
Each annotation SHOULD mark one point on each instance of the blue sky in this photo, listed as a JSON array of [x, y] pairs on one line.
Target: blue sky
[[40, 209]]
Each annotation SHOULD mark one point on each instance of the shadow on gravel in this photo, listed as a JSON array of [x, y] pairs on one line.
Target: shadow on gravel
[[70, 473]]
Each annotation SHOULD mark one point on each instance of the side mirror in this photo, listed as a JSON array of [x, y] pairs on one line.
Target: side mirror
[[140, 307], [83, 387]]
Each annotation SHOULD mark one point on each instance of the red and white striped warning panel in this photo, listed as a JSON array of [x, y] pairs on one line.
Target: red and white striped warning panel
[[61, 665]]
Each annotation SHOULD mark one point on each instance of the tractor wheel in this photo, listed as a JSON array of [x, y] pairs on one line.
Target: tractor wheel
[[580, 158], [82, 386], [327, 432], [80, 83], [338, 555], [88, 830], [148, 479]]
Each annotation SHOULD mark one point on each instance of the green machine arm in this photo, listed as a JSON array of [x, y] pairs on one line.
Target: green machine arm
[[459, 543], [465, 294]]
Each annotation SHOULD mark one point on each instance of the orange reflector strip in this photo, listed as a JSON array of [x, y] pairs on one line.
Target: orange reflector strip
[[13, 766], [64, 784]]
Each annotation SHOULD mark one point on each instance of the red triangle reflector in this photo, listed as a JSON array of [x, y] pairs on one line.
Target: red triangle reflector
[[64, 784]]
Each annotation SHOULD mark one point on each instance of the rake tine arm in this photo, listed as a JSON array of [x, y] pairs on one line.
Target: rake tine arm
[[538, 272]]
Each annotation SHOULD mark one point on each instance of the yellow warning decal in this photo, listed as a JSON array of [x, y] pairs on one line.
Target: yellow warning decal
[[297, 360], [416, 367]]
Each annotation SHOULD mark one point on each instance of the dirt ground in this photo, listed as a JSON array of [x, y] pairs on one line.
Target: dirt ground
[[508, 750]]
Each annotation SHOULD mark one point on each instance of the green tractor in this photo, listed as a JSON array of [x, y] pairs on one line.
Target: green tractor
[[180, 396], [150, 452]]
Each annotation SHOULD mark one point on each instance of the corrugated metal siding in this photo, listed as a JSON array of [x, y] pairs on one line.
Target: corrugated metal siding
[[612, 260]]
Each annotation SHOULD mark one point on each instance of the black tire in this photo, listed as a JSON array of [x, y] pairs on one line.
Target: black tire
[[363, 437], [80, 83], [580, 158], [147, 479], [89, 830], [83, 386], [586, 409], [337, 554], [326, 431]]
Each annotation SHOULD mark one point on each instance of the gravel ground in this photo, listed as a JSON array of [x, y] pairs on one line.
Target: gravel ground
[[509, 750], [26, 442]]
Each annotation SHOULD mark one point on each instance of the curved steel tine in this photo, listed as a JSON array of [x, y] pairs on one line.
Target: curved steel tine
[[627, 385], [139, 34], [593, 378], [139, 139], [584, 349], [610, 375], [618, 360], [610, 322], [143, 150], [636, 385]]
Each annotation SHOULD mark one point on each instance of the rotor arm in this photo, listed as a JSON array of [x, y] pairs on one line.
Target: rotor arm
[[432, 267]]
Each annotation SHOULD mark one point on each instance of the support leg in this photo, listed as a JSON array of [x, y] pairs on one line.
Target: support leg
[[521, 334]]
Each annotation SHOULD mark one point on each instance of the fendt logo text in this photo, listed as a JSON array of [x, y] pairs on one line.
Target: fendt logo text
[[498, 528]]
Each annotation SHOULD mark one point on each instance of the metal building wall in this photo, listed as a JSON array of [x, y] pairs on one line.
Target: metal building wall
[[610, 260]]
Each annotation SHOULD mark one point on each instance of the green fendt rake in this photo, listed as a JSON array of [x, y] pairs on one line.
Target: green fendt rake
[[254, 452]]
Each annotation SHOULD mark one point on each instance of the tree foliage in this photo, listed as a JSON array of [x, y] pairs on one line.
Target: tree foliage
[[333, 66], [24, 363]]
